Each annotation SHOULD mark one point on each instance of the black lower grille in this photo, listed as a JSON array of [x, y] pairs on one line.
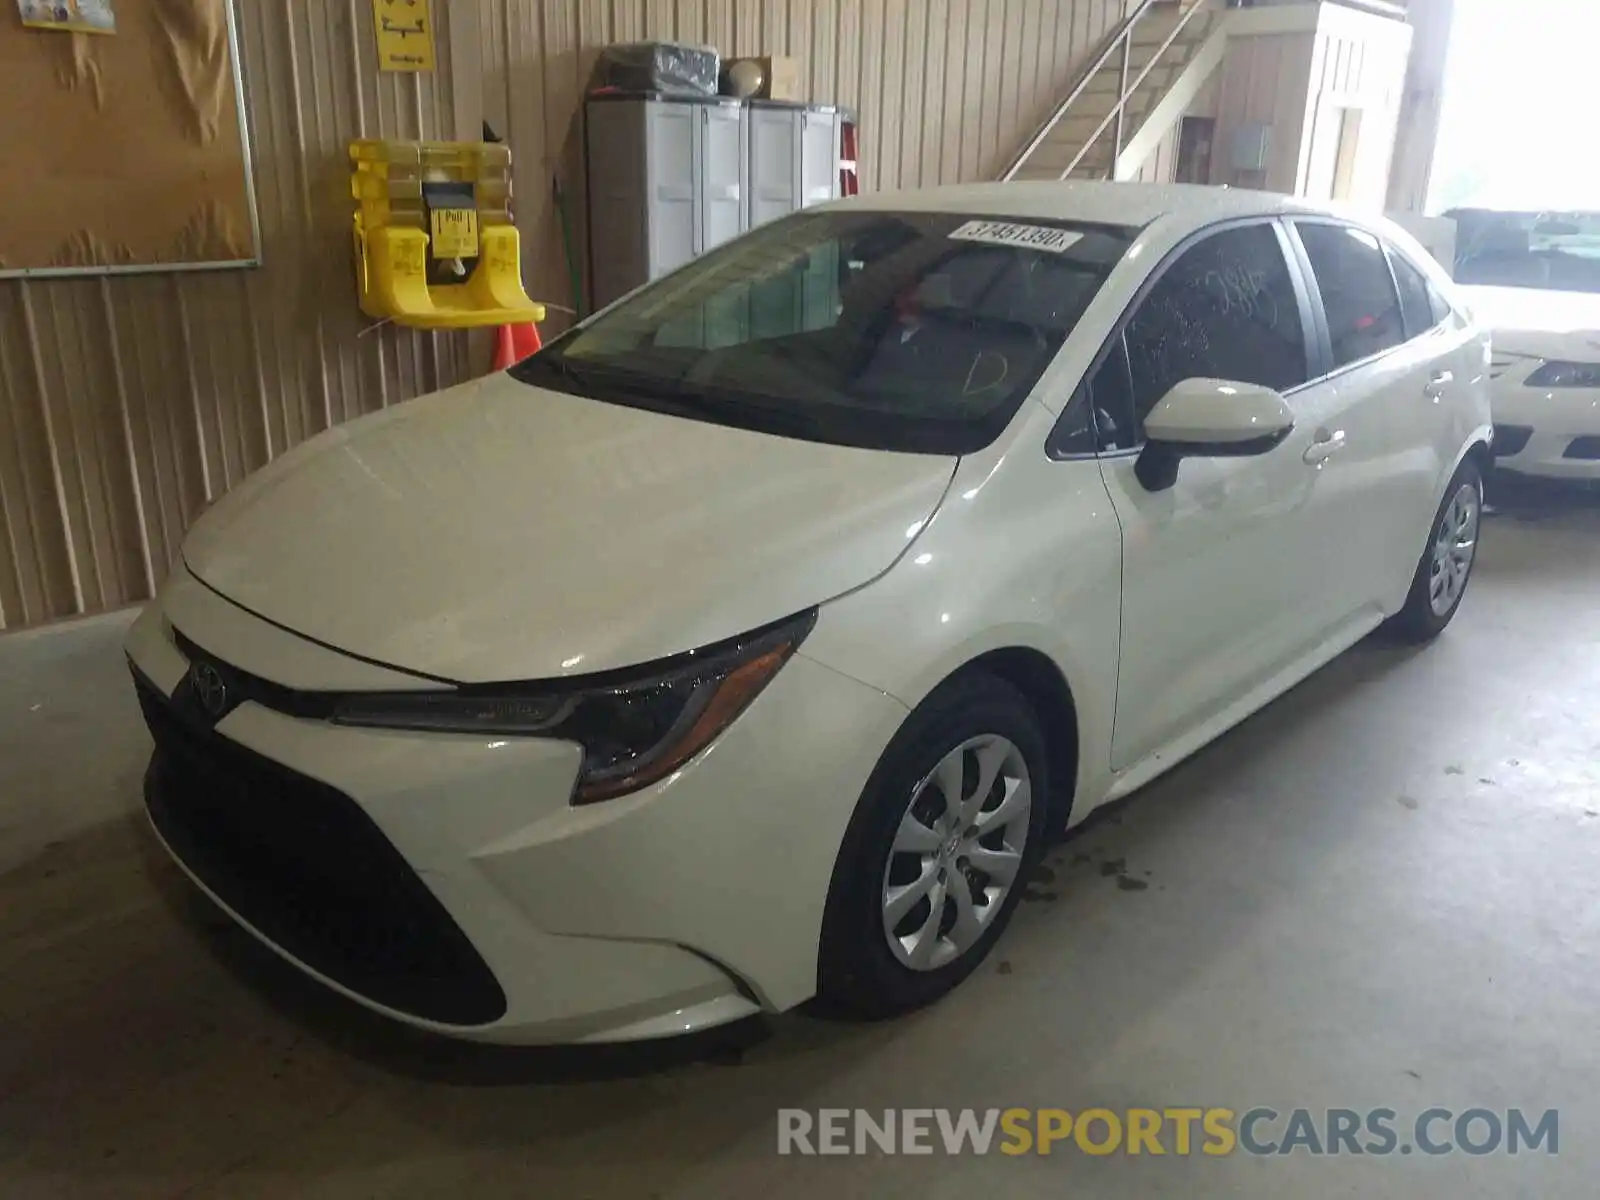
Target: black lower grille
[[1511, 439], [303, 864], [1584, 447]]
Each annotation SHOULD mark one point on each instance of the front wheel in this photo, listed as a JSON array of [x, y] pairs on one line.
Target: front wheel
[[936, 856], [1446, 565]]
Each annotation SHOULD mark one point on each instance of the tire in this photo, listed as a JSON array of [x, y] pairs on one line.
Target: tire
[[1422, 618], [864, 969]]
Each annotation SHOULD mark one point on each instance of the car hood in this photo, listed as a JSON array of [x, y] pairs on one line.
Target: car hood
[[1538, 323], [499, 531]]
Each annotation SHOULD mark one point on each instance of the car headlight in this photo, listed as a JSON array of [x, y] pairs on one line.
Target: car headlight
[[1565, 375], [635, 726]]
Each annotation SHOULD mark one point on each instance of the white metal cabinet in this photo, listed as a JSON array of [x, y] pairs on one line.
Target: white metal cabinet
[[794, 158], [671, 137], [820, 129], [723, 171], [670, 178], [667, 181], [775, 163]]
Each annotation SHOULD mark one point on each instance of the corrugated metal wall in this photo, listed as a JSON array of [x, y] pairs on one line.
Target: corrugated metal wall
[[127, 404]]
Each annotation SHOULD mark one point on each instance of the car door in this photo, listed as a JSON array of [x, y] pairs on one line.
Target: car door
[[1380, 383], [1444, 363], [1221, 584]]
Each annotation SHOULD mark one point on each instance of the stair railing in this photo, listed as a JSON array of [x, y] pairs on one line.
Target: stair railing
[[1118, 43]]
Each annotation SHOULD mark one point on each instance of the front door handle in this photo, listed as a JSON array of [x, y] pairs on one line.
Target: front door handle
[[1436, 385], [1326, 444]]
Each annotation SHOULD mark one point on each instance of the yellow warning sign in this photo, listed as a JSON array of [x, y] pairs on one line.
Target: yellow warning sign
[[405, 35]]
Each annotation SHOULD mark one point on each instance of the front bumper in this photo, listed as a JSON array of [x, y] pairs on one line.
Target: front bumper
[[445, 880], [1554, 433]]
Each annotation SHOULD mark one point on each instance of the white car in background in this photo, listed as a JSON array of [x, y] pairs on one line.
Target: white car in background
[[1533, 280], [748, 642]]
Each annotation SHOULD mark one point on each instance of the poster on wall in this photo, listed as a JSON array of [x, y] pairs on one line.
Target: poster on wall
[[74, 16], [405, 35], [134, 154]]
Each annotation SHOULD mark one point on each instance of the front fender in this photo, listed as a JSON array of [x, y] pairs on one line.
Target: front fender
[[1026, 556]]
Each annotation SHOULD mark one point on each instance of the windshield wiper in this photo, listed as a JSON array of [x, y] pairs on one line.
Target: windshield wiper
[[721, 406], [552, 361], [597, 380], [726, 407]]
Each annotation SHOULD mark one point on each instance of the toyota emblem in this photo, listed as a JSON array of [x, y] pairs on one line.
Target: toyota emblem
[[210, 688]]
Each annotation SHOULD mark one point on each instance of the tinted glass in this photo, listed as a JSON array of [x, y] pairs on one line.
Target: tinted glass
[[895, 330], [1111, 392], [1074, 433], [1226, 309], [1414, 299], [1357, 291], [1100, 416]]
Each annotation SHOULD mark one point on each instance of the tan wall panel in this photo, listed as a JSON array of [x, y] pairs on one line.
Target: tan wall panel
[[128, 404], [1264, 80]]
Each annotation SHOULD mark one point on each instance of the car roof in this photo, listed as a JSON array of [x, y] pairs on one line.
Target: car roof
[[1128, 204]]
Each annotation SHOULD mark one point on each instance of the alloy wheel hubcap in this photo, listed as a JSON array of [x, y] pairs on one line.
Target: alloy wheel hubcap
[[957, 853], [1455, 543]]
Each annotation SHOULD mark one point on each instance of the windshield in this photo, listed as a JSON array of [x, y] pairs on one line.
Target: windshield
[[909, 331], [1547, 250]]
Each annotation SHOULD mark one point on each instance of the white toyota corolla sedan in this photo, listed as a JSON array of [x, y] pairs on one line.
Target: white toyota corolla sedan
[[1533, 281], [745, 645]]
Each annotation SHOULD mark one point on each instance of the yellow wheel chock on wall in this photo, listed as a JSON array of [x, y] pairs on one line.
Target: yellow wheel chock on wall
[[434, 242]]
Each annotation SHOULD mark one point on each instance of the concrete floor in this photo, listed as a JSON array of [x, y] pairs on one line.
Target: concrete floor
[[1383, 891]]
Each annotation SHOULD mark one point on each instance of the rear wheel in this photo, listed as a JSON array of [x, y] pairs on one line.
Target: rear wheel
[[1446, 565], [934, 861]]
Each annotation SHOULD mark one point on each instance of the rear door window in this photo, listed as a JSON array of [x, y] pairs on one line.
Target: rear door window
[[1358, 292]]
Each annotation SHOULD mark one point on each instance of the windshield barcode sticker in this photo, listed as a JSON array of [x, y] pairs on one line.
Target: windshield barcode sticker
[[1031, 237]]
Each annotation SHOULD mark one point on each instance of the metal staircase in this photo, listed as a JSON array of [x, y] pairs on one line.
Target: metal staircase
[[1130, 94]]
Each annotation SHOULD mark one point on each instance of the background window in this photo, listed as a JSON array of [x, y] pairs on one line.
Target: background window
[[1226, 309], [1357, 291], [1414, 301]]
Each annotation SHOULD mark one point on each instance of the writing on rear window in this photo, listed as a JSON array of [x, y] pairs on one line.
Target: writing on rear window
[[1003, 233]]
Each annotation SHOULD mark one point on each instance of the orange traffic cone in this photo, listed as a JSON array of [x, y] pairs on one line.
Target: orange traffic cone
[[513, 343]]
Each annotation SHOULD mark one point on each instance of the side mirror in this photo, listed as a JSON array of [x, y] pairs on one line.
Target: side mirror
[[1209, 418]]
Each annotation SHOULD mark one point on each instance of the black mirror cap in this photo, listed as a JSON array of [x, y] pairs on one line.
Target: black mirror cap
[[1156, 468]]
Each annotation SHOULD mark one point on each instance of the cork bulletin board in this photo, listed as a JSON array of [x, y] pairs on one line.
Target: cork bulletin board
[[125, 151]]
